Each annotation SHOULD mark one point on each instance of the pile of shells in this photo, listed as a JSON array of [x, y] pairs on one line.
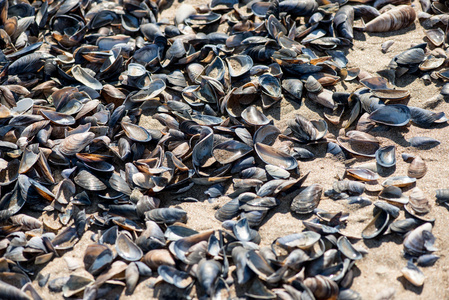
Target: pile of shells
[[76, 77]]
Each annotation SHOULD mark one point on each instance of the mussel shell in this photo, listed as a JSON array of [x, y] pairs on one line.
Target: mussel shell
[[75, 285], [427, 260], [166, 215], [386, 156], [393, 194], [350, 186], [58, 118], [11, 203], [75, 143], [294, 87], [230, 151], [420, 241], [347, 249], [363, 174], [307, 200], [436, 36], [184, 248], [228, 211], [270, 86], [239, 64], [358, 148], [173, 276], [399, 181], [85, 78], [404, 226], [10, 174], [253, 116], [266, 135], [377, 225], [136, 132], [273, 156], [375, 83], [390, 94], [304, 240], [423, 142], [157, 257], [127, 249], [89, 181], [392, 115], [426, 118], [97, 258], [207, 274]]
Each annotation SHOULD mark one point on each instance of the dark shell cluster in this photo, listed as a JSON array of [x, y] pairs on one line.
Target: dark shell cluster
[[76, 78]]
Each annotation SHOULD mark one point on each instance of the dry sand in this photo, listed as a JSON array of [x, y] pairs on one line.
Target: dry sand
[[381, 268]]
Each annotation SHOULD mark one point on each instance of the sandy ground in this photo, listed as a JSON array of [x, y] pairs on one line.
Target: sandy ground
[[380, 269]]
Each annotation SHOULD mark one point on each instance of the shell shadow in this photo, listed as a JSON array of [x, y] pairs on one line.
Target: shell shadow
[[284, 208], [385, 172], [168, 291], [396, 136], [377, 242], [274, 111], [410, 287]]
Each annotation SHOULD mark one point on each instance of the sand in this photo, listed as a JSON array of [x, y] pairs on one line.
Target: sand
[[380, 270]]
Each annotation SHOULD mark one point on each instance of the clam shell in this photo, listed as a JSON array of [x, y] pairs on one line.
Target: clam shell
[[312, 85], [414, 275], [418, 201], [417, 168]]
